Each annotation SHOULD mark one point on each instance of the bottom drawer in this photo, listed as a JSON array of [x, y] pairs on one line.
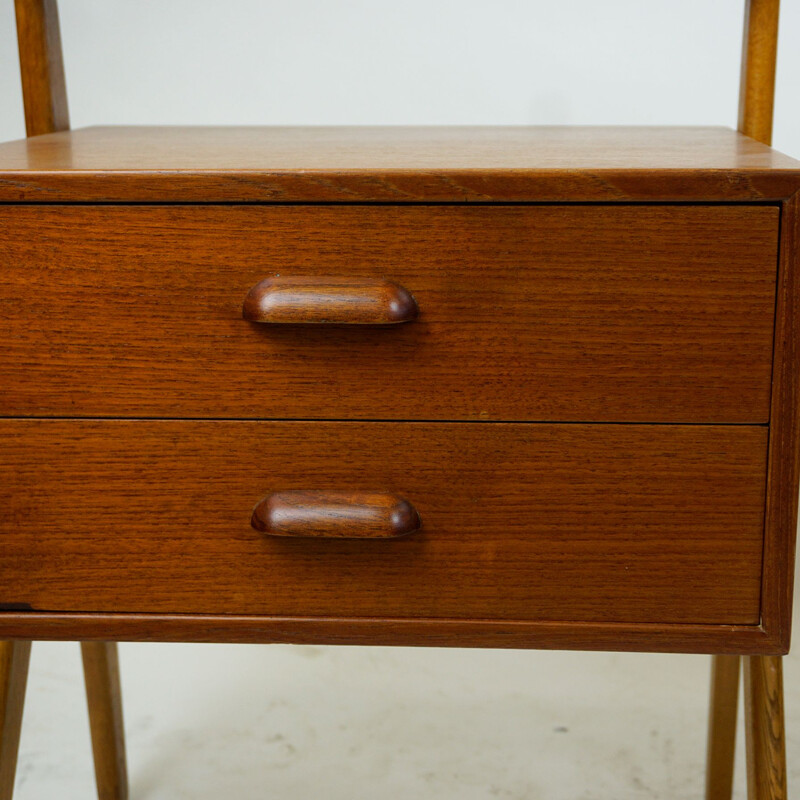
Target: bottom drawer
[[594, 523]]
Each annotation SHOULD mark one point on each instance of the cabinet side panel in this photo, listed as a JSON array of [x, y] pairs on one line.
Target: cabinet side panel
[[784, 454]]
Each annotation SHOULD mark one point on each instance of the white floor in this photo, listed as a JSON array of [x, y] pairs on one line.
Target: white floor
[[247, 722]]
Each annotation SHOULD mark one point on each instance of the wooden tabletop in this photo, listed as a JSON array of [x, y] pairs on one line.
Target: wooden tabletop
[[393, 164]]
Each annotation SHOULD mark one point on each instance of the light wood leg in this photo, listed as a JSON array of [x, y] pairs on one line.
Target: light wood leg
[[14, 659], [101, 671], [766, 741], [722, 727]]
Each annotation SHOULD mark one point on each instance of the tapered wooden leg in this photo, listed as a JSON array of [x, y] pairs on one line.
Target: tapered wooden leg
[[766, 740], [722, 727], [101, 671], [14, 659]]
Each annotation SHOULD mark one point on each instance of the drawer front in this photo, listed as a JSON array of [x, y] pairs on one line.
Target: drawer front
[[546, 313], [593, 523]]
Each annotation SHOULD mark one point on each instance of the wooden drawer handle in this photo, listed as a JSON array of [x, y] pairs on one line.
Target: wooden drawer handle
[[332, 300], [335, 515]]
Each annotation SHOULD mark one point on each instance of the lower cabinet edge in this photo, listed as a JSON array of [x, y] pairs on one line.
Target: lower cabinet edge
[[638, 637]]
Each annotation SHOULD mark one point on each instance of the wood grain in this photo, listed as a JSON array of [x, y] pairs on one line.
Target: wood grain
[[764, 728], [721, 748], [335, 515], [583, 523], [101, 672], [330, 300], [784, 448], [394, 164], [530, 580], [395, 631], [46, 111], [14, 658], [759, 56], [41, 63], [579, 313]]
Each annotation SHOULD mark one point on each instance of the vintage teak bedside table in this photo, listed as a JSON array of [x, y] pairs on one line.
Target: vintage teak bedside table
[[512, 387]]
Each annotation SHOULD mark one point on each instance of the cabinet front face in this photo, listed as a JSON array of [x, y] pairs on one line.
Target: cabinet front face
[[586, 523], [605, 313], [585, 409]]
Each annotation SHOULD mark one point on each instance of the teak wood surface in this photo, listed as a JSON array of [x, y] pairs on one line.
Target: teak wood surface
[[104, 696], [569, 523], [41, 67], [468, 165], [724, 695], [759, 59], [329, 300], [46, 111], [14, 658], [339, 514], [394, 164], [599, 313], [764, 728]]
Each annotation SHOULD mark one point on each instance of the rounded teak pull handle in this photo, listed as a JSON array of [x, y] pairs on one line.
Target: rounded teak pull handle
[[335, 515], [331, 300]]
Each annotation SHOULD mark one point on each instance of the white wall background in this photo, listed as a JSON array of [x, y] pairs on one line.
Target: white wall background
[[416, 61], [251, 722]]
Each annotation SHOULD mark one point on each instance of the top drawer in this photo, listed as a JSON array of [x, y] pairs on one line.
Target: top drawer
[[561, 313]]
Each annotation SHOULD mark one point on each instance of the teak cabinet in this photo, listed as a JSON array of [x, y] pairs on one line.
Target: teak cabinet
[[484, 387]]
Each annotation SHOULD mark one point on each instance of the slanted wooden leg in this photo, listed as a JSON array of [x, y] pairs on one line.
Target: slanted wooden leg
[[722, 727], [14, 659], [101, 671], [765, 736]]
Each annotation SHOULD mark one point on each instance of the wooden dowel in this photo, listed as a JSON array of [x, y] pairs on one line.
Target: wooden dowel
[[41, 62], [764, 728], [101, 671], [759, 53], [14, 658], [722, 727]]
